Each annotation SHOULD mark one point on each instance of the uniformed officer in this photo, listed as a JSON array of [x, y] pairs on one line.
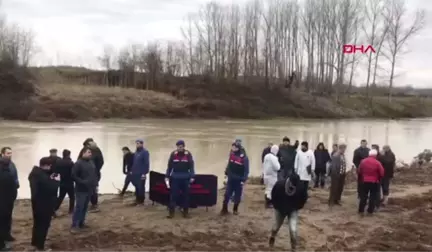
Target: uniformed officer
[[237, 172], [180, 174]]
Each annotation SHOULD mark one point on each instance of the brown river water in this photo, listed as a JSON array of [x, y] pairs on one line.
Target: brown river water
[[208, 140]]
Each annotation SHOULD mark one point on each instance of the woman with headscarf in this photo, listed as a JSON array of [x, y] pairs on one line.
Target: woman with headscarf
[[271, 168], [322, 157]]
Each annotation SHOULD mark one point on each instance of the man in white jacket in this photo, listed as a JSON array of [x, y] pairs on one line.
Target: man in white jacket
[[271, 167], [304, 164]]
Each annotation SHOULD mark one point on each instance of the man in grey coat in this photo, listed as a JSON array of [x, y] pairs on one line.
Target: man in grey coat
[[337, 173]]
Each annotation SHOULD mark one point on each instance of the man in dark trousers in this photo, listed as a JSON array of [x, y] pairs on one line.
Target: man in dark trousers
[[337, 173], [6, 152], [43, 185], [128, 157], [86, 180], [360, 153], [98, 160], [288, 197], [64, 168], [370, 172], [237, 173], [140, 168], [286, 155], [8, 191], [180, 174], [54, 160]]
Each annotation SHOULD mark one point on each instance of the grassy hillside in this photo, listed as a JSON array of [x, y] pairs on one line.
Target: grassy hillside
[[64, 99]]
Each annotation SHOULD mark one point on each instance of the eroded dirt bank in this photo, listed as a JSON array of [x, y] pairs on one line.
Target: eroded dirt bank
[[404, 225]]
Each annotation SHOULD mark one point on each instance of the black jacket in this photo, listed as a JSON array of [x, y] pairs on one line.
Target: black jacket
[[360, 154], [84, 175], [264, 153], [97, 157], [43, 190], [54, 164], [8, 187], [321, 159], [284, 203], [286, 155], [388, 161], [64, 168], [128, 162]]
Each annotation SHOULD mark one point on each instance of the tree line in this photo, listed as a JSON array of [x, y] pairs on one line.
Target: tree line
[[282, 42]]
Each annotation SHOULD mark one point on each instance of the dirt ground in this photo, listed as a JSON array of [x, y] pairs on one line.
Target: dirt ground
[[405, 224]]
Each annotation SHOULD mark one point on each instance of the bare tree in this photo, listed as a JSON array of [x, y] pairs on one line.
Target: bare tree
[[399, 32]]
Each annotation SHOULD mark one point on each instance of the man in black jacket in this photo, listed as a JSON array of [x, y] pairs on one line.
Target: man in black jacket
[[128, 158], [8, 190], [98, 160], [43, 186], [85, 177], [288, 197], [64, 168], [360, 153], [54, 160], [286, 155]]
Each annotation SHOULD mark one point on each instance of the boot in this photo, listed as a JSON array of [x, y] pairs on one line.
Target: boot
[[171, 212], [235, 209], [267, 203], [272, 240], [186, 213], [293, 245], [224, 210]]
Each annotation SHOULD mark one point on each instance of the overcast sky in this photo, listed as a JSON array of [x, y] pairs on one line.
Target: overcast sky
[[74, 31]]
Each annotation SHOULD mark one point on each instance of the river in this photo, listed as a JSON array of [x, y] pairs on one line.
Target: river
[[208, 140]]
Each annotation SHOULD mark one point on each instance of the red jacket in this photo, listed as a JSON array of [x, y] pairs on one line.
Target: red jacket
[[370, 170]]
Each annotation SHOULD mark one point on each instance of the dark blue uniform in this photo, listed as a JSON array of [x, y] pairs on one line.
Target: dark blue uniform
[[237, 173], [180, 171]]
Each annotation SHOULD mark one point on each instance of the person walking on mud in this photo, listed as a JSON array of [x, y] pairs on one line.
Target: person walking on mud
[[360, 153], [337, 173], [288, 198], [237, 172], [179, 175], [370, 172], [388, 161], [128, 157]]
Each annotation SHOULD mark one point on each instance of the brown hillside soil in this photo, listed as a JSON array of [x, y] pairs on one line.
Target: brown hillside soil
[[405, 224]]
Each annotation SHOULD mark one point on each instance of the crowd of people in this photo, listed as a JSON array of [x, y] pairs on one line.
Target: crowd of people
[[288, 173]]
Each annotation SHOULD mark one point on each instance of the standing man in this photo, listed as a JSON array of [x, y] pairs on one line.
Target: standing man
[[288, 197], [128, 158], [6, 152], [55, 159], [43, 185], [180, 174], [388, 160], [140, 168], [8, 190], [370, 172], [64, 168], [86, 180], [237, 173], [304, 164], [286, 155], [360, 153], [337, 172], [98, 160], [322, 157]]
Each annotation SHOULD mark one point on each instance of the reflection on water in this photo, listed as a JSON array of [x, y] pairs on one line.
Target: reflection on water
[[208, 140]]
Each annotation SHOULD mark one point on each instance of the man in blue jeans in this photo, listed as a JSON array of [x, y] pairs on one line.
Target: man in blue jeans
[[140, 168], [85, 176]]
